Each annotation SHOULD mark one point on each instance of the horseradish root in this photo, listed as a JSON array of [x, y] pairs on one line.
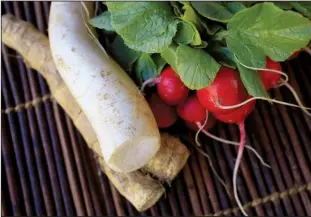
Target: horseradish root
[[173, 154], [34, 47], [140, 189]]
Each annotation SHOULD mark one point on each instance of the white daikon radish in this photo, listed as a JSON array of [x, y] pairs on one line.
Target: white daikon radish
[[118, 112]]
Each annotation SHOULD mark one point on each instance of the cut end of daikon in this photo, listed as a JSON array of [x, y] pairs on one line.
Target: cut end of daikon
[[134, 154]]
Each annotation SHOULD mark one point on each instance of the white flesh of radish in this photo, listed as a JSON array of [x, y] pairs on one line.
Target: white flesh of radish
[[122, 119]]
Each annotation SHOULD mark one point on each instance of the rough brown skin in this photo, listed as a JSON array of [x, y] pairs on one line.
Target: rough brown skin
[[141, 190], [172, 154]]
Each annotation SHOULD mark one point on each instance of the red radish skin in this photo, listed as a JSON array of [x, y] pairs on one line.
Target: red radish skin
[[209, 125], [170, 87], [270, 79], [238, 117], [191, 110], [227, 89], [164, 114]]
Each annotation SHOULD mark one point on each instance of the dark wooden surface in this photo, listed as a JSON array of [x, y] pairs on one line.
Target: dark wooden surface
[[47, 168]]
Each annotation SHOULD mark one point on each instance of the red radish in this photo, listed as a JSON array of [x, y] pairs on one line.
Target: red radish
[[227, 89], [209, 125], [191, 110], [238, 117], [270, 79], [169, 86], [164, 114]]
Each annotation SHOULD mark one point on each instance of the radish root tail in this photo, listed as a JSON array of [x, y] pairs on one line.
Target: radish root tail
[[236, 167], [213, 168], [291, 89], [200, 129], [266, 99], [225, 141], [283, 82], [265, 69], [207, 156]]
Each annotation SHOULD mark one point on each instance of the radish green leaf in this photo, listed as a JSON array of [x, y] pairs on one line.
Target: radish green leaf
[[169, 55], [191, 16], [222, 55], [144, 26], [303, 7], [213, 11], [159, 62], [253, 34], [176, 8], [185, 33], [145, 68], [283, 5], [252, 82], [102, 21], [196, 68], [194, 21], [123, 54], [234, 7]]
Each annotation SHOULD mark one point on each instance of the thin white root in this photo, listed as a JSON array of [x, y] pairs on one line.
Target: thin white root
[[291, 89], [148, 81], [265, 69], [283, 82], [236, 144], [207, 156], [236, 168], [266, 99], [200, 129], [91, 34], [211, 165]]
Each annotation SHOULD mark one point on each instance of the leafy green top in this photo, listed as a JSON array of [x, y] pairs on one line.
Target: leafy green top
[[144, 26], [266, 30], [195, 66], [213, 11], [197, 38], [102, 21]]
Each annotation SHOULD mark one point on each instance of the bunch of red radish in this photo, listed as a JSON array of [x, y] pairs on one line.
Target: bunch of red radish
[[174, 99]]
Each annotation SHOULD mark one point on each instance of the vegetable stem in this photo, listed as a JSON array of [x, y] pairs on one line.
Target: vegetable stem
[[221, 35], [225, 141]]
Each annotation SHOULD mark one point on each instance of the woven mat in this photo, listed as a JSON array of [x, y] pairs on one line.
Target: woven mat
[[47, 168]]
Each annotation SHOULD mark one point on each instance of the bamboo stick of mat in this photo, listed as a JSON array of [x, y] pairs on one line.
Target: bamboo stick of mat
[[273, 188]]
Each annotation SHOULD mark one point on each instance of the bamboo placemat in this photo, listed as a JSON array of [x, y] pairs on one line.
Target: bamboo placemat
[[47, 168]]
